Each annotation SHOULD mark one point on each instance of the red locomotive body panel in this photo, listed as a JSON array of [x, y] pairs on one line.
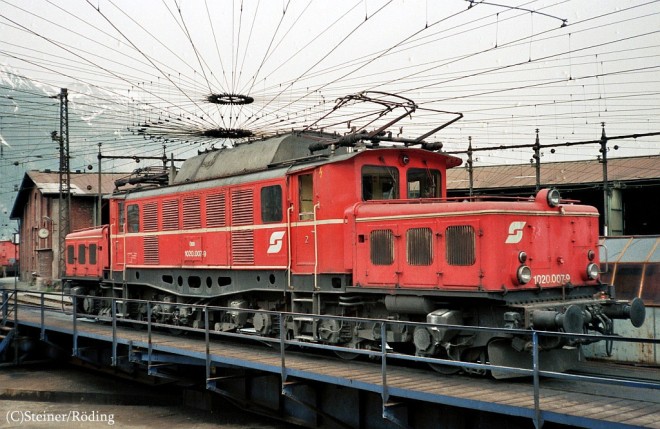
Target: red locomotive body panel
[[473, 245], [87, 253], [8, 257]]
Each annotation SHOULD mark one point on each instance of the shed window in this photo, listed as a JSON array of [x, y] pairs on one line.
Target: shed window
[[271, 203]]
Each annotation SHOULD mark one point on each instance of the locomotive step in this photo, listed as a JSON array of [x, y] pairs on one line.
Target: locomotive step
[[303, 299], [305, 338], [303, 319]]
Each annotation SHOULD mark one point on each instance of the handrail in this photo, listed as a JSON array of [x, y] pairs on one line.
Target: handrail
[[383, 353], [7, 295]]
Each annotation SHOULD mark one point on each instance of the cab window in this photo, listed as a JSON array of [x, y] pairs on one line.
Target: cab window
[[92, 254], [81, 254], [271, 203], [380, 183], [70, 254], [306, 197], [423, 183], [133, 218], [120, 216]]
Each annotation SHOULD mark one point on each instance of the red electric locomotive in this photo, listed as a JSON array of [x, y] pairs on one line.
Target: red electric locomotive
[[8, 258], [344, 225]]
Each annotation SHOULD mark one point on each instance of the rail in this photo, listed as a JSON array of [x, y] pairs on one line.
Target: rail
[[69, 306]]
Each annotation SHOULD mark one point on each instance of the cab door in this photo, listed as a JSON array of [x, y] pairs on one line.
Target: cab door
[[303, 224]]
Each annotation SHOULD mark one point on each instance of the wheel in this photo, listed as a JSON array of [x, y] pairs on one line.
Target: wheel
[[347, 355], [445, 369]]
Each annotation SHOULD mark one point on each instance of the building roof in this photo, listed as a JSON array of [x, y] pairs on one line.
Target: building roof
[[48, 183], [634, 169]]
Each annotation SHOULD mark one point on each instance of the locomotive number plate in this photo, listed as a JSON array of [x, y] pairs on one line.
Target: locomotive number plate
[[546, 279]]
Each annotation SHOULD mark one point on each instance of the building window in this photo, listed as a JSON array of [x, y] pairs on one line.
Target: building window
[[271, 203], [133, 218], [380, 183], [423, 183]]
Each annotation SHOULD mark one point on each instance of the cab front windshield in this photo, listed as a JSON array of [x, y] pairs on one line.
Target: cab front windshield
[[380, 183]]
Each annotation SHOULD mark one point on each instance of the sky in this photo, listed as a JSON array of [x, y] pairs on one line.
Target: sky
[[139, 75]]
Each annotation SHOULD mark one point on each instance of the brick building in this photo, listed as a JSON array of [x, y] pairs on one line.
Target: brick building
[[37, 208]]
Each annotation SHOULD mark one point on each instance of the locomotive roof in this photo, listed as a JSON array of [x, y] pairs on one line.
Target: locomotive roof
[[249, 157], [252, 157]]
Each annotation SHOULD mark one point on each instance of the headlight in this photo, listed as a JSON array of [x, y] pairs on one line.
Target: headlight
[[553, 198], [592, 271], [522, 257], [591, 255], [524, 274]]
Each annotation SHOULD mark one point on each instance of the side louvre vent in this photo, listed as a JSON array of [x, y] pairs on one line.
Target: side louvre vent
[[151, 256], [382, 247], [461, 245], [192, 218], [419, 246], [242, 213], [150, 216], [242, 245], [170, 215], [242, 210], [216, 208]]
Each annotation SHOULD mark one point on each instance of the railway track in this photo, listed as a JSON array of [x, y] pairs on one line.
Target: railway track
[[50, 301]]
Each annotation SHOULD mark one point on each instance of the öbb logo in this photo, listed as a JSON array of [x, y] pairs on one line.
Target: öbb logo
[[515, 232], [276, 240]]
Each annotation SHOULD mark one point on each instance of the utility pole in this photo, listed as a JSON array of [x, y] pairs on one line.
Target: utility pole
[[606, 190], [65, 179], [470, 165], [537, 159], [99, 203]]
